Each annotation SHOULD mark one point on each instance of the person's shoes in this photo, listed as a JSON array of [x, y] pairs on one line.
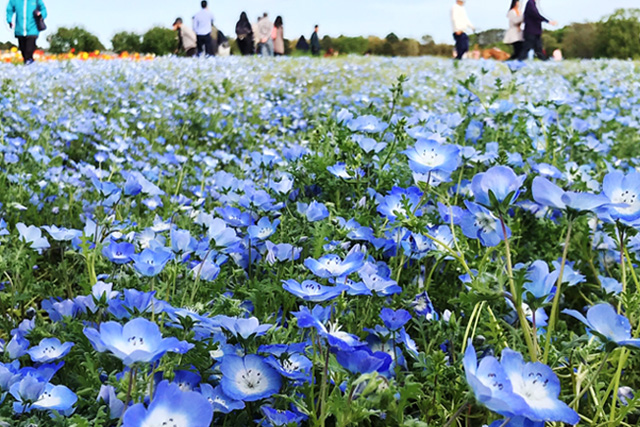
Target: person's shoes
[[29, 62]]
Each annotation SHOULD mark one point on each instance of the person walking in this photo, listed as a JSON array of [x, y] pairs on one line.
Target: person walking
[[202, 26], [514, 35], [315, 42], [278, 37], [533, 31], [461, 24], [244, 35], [265, 30], [187, 39], [26, 27]]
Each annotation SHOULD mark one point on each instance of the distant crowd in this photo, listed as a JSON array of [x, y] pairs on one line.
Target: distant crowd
[[263, 37]]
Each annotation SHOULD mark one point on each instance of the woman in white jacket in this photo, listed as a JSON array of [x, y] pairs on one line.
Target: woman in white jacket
[[514, 35]]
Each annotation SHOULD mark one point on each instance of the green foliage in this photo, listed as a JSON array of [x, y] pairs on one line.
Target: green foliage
[[126, 42], [6, 45], [391, 45], [65, 39], [618, 35], [159, 41], [580, 40]]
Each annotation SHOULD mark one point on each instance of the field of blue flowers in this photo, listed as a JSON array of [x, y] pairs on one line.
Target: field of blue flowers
[[352, 242]]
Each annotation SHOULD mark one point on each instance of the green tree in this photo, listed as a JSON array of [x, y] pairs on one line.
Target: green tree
[[580, 40], [126, 42], [159, 41], [6, 45], [618, 35], [65, 39]]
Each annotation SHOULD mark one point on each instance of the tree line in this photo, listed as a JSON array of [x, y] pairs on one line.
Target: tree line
[[615, 36]]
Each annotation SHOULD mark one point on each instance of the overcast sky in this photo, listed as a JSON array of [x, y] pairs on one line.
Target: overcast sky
[[406, 18]]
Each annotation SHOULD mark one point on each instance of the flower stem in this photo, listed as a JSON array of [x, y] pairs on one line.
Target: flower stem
[[616, 385], [128, 398], [556, 299], [623, 267], [457, 414], [592, 379], [531, 345]]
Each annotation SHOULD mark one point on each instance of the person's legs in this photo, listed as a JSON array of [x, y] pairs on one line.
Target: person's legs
[[201, 44], [270, 47], [527, 46], [538, 49], [192, 52], [517, 50], [30, 48], [21, 45], [462, 44], [211, 45]]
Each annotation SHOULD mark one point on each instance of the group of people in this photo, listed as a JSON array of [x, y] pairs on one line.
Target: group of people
[[522, 40], [263, 37]]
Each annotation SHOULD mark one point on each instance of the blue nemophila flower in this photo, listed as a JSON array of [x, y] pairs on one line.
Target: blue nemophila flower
[[517, 421], [430, 156], [501, 181], [332, 265], [490, 384], [333, 334], [364, 361], [340, 170], [548, 194], [182, 242], [207, 270], [61, 234], [139, 340], [423, 307], [219, 400], [119, 253], [480, 223], [264, 229], [222, 235], [294, 366], [248, 378], [369, 145], [604, 322], [244, 328], [171, 407], [539, 387], [281, 252], [108, 395], [150, 262], [276, 418], [624, 193], [367, 123], [17, 347], [379, 284], [313, 211], [400, 202], [33, 393], [610, 285], [49, 349], [394, 320], [313, 291], [132, 186], [33, 236], [540, 282]]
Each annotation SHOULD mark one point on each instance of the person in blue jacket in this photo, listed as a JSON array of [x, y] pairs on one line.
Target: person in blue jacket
[[26, 29]]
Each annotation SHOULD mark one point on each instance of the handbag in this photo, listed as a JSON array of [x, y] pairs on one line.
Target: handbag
[[39, 20]]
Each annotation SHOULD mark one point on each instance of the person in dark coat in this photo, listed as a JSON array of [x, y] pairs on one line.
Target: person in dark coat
[[302, 44], [315, 42], [244, 33], [533, 31]]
